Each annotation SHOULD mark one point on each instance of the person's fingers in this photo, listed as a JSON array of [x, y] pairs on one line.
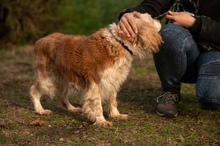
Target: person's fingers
[[123, 29], [169, 13], [132, 27], [137, 14], [119, 28], [170, 17], [173, 13], [127, 27], [127, 24]]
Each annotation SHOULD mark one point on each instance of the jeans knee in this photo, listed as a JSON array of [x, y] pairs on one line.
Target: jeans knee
[[208, 81], [173, 30], [208, 94], [171, 26], [174, 35], [209, 104]]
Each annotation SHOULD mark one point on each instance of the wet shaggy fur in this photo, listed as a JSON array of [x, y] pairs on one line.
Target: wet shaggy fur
[[92, 67]]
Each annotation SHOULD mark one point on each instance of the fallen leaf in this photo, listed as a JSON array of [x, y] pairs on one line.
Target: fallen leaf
[[37, 122]]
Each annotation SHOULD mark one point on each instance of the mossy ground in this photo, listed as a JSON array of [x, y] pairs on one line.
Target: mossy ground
[[193, 126]]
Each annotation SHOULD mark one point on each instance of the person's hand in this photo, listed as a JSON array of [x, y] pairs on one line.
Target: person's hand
[[181, 18], [127, 25]]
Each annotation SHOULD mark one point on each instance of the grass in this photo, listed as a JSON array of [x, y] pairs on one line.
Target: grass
[[193, 126], [86, 16]]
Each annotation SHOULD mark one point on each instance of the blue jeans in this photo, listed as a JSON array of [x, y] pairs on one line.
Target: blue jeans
[[181, 60]]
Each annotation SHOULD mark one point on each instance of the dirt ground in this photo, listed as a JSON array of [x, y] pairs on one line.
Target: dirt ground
[[20, 125]]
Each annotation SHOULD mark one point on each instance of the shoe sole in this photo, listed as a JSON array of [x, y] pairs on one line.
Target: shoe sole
[[167, 115]]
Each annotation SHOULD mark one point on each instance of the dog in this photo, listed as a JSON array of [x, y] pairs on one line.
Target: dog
[[92, 67]]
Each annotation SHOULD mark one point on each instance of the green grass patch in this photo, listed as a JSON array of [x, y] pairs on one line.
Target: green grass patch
[[193, 126]]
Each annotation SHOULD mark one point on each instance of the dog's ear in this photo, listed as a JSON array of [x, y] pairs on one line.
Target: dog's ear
[[148, 35]]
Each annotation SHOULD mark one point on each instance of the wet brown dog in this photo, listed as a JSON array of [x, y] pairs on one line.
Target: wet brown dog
[[94, 67]]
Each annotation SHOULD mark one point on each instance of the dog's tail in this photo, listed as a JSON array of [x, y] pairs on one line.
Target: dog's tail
[[44, 52]]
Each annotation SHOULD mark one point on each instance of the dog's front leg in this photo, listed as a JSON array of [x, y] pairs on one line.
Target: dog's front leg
[[92, 107], [113, 110]]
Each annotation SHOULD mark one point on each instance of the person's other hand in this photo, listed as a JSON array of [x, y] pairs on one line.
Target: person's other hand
[[127, 25], [184, 19]]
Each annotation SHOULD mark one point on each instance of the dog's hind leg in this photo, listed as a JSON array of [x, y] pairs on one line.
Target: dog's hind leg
[[45, 71], [113, 110], [92, 106], [35, 97], [63, 98]]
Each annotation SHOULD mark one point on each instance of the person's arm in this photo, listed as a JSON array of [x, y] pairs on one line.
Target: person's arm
[[203, 28], [206, 29], [126, 22], [153, 7]]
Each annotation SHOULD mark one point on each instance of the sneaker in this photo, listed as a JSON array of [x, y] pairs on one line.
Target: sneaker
[[168, 105]]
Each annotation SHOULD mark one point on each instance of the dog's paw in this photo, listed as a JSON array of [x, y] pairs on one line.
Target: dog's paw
[[105, 124], [45, 112], [75, 110], [120, 117]]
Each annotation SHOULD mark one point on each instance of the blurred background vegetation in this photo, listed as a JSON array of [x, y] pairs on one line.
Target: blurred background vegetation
[[25, 21]]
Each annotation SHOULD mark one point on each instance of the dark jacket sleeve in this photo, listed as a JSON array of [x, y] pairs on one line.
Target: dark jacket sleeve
[[153, 7], [206, 30]]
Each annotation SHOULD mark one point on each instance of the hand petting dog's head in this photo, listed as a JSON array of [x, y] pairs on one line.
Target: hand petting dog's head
[[147, 38]]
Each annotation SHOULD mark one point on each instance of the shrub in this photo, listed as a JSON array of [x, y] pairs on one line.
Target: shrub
[[24, 21]]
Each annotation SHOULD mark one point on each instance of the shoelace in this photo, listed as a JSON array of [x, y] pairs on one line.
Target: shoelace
[[169, 96]]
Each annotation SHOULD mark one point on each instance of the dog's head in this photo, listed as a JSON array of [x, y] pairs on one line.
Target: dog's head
[[147, 38]]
